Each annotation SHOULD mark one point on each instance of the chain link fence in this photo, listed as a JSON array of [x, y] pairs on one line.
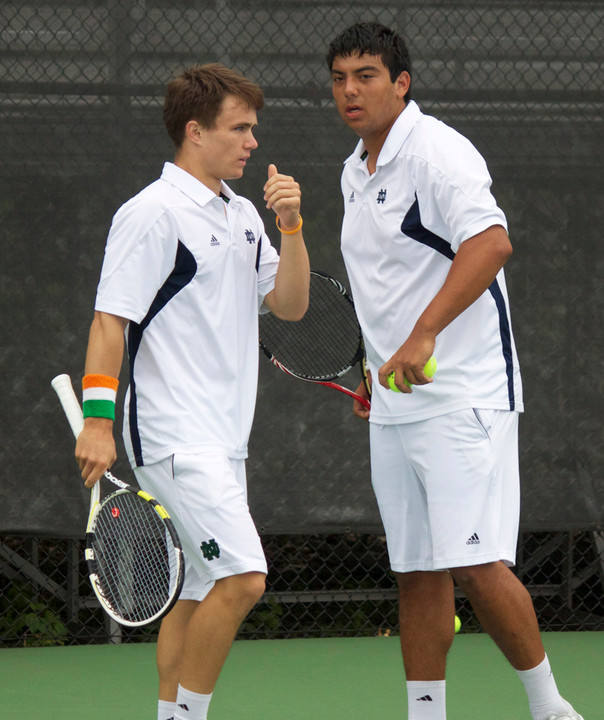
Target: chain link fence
[[81, 91], [318, 586]]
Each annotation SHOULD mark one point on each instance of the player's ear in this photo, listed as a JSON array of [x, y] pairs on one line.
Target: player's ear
[[194, 132], [403, 83]]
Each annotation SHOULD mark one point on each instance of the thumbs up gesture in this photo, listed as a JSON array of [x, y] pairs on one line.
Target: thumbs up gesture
[[282, 194]]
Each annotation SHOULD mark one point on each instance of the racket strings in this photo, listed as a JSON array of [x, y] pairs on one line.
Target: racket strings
[[325, 344], [135, 558]]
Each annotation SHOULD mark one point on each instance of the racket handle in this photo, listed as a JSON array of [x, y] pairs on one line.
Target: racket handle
[[64, 389], [364, 401]]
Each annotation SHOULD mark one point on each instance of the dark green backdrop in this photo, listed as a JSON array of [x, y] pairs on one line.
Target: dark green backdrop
[[81, 89]]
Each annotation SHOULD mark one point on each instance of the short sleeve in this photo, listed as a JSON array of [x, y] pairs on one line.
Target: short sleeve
[[454, 191], [139, 255]]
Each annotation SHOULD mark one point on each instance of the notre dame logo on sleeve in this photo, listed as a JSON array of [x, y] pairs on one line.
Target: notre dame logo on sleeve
[[210, 549]]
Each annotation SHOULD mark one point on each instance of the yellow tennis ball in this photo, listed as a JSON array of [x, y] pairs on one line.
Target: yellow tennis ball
[[430, 367], [391, 385], [457, 624], [429, 370]]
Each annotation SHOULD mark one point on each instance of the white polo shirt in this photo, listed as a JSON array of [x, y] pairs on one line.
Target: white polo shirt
[[190, 271], [402, 227]]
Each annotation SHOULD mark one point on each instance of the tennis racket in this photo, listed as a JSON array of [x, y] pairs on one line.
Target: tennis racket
[[325, 344], [134, 556]]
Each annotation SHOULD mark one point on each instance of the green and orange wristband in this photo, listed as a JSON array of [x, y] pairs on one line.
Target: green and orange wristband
[[98, 396]]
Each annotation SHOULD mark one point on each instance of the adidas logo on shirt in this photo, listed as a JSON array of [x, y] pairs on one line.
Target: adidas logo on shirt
[[425, 698], [214, 241], [474, 540]]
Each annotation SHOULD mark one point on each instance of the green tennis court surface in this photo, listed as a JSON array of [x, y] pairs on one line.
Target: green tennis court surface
[[331, 679]]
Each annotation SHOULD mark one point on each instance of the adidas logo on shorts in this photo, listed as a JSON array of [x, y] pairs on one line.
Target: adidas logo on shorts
[[474, 540], [425, 698]]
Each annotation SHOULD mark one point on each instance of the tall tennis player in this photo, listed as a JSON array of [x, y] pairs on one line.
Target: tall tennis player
[[424, 244], [188, 266]]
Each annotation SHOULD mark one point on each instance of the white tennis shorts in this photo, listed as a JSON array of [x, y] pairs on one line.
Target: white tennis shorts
[[206, 497], [448, 489]]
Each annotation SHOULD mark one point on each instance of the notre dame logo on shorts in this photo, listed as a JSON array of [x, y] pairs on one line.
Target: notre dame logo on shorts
[[210, 549]]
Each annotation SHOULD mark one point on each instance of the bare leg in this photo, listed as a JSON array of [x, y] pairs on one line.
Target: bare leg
[[212, 629], [427, 618], [505, 610], [170, 643]]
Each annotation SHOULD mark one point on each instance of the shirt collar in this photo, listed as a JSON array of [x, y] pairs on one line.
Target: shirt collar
[[193, 188], [399, 132]]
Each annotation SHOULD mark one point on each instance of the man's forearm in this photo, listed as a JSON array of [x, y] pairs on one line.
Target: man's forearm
[[289, 298], [105, 345]]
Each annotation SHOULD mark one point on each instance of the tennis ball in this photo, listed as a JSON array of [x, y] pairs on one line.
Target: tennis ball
[[457, 624], [430, 367], [429, 370], [391, 385]]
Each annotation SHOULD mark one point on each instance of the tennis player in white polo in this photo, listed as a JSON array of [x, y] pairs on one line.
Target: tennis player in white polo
[[424, 245], [187, 268]]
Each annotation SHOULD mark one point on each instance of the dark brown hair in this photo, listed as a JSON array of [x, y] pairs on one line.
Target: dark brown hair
[[197, 94]]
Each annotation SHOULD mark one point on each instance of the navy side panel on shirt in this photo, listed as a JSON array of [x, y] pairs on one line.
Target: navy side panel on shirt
[[412, 227], [185, 267], [258, 252]]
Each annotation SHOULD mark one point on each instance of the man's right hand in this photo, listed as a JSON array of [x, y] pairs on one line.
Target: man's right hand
[[95, 449], [358, 408]]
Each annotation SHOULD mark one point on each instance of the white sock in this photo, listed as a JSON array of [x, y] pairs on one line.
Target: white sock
[[426, 700], [190, 705], [542, 691], [165, 710]]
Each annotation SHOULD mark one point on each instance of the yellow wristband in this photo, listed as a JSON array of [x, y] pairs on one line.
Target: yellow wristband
[[289, 232]]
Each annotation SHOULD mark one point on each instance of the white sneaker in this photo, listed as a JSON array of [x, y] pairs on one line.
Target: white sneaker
[[571, 716]]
